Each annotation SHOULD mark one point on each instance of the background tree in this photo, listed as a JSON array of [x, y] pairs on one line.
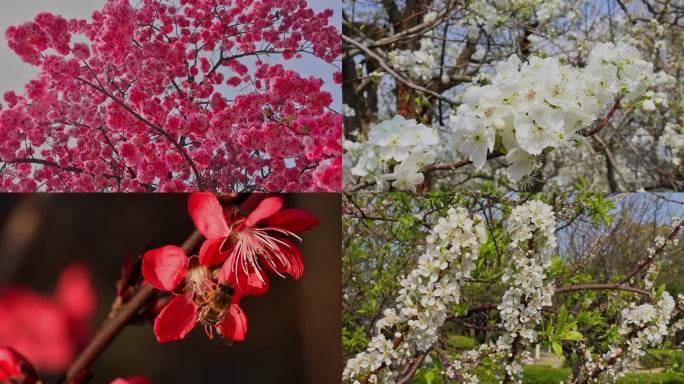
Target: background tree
[[162, 96]]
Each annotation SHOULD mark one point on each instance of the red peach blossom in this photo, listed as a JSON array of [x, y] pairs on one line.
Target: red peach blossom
[[246, 243], [169, 269]]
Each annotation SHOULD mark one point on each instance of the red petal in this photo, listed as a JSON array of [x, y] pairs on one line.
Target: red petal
[[133, 380], [245, 283], [253, 200], [176, 319], [165, 267], [293, 220], [209, 254], [266, 208], [14, 366], [293, 264], [75, 292], [234, 324], [207, 214]]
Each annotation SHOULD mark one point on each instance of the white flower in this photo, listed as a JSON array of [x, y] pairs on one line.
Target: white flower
[[538, 128], [521, 162], [648, 105]]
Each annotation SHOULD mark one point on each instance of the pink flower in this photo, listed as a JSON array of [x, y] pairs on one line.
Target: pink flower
[[197, 297], [169, 118], [15, 369], [245, 244], [49, 330]]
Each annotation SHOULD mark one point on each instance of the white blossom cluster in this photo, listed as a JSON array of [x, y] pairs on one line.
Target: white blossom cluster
[[396, 150], [421, 63], [535, 106], [531, 226], [427, 295], [673, 139], [644, 326], [493, 13], [426, 62], [529, 109]]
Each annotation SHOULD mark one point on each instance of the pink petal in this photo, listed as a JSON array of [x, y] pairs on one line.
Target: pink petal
[[234, 324], [207, 214], [75, 292], [165, 267], [293, 220], [266, 208], [176, 319], [209, 254]]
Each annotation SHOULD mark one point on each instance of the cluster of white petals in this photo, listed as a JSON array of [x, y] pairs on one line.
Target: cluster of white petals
[[673, 139], [396, 150], [528, 109], [643, 326], [531, 226], [427, 294], [535, 106]]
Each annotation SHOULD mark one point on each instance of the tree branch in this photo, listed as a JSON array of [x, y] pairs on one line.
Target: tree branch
[[375, 56], [113, 326]]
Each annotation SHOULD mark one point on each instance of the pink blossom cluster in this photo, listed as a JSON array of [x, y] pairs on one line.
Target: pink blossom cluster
[[173, 96]]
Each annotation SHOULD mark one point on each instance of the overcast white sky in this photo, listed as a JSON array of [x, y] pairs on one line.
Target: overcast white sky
[[14, 73]]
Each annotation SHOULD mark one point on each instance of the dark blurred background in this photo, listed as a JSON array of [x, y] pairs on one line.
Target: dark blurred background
[[294, 330]]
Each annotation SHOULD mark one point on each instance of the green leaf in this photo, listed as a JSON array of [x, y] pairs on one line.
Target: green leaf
[[557, 348], [572, 335]]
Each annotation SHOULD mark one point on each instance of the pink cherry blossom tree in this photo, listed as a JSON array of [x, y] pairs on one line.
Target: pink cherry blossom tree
[[174, 96]]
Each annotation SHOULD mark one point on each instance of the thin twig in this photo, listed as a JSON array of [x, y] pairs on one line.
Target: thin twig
[[395, 74]]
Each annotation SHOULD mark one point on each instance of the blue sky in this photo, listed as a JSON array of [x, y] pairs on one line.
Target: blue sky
[[15, 73]]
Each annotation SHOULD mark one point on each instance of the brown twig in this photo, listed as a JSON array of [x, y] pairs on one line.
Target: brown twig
[[641, 266], [596, 287], [411, 371], [113, 326], [375, 56]]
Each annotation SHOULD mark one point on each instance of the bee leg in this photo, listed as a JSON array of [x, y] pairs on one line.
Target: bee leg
[[209, 331]]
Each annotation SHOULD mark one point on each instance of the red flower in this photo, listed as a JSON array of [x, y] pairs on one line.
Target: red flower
[[14, 368], [197, 297], [49, 330], [246, 243]]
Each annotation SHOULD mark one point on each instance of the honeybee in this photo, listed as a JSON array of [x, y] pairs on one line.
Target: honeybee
[[212, 309]]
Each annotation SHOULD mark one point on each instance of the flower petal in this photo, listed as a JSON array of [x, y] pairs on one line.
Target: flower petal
[[293, 220], [234, 324], [245, 283], [14, 366], [176, 319], [165, 267], [253, 200], [75, 292], [209, 254], [207, 214], [289, 260], [266, 208], [133, 380]]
